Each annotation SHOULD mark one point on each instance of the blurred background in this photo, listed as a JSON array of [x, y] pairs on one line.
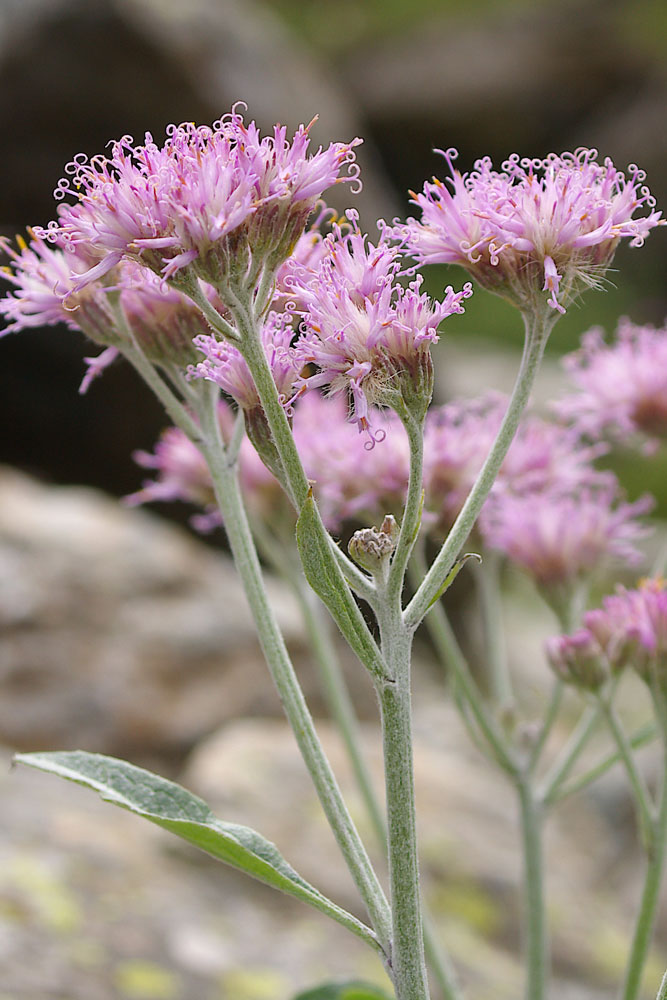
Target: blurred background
[[126, 637]]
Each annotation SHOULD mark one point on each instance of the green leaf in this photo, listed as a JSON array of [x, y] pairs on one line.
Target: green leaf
[[453, 573], [345, 991], [327, 580], [175, 809]]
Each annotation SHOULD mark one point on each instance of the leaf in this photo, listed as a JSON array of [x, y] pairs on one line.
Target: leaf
[[345, 991], [175, 809], [327, 580], [453, 573]]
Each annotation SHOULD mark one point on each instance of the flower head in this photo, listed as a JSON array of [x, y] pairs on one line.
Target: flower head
[[630, 629], [538, 225], [560, 538], [544, 455], [351, 483], [577, 659], [224, 364], [365, 333], [220, 202], [622, 386]]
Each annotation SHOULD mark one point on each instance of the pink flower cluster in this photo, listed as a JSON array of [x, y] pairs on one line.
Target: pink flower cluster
[[225, 365], [364, 332], [630, 629], [350, 483], [551, 511], [219, 201], [162, 321], [548, 225], [622, 386]]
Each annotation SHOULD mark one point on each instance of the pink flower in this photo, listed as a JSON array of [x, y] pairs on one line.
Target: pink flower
[[630, 629], [162, 320], [351, 483], [560, 538], [219, 201], [549, 224], [367, 334], [543, 456], [225, 365], [44, 278], [577, 659], [622, 386]]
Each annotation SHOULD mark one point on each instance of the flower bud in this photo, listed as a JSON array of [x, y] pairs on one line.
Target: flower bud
[[372, 548]]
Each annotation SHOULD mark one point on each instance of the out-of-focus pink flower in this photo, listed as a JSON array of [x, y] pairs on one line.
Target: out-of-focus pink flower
[[539, 225], [351, 482], [630, 629], [219, 201], [225, 365], [366, 334], [622, 385], [560, 538], [544, 455], [577, 659]]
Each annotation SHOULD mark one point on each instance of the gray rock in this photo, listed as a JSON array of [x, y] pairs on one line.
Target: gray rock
[[120, 632]]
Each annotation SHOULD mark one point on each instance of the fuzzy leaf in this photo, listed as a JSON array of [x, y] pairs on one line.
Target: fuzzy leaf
[[175, 809], [453, 573], [328, 582], [344, 991]]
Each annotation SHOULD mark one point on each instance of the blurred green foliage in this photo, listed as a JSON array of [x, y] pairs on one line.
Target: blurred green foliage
[[334, 26]]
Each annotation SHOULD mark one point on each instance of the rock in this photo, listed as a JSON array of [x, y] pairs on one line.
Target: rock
[[121, 633]]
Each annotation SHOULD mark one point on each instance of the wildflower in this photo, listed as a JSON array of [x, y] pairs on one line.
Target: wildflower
[[539, 225], [366, 334], [622, 386], [558, 538], [160, 320], [578, 659], [630, 629], [632, 626], [351, 483], [43, 278], [218, 202], [544, 455], [224, 364]]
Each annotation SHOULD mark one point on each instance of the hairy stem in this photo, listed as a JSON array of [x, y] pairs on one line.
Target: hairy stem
[[654, 872], [408, 964], [538, 328]]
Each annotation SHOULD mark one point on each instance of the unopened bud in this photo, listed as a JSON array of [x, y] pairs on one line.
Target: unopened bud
[[577, 659], [372, 548]]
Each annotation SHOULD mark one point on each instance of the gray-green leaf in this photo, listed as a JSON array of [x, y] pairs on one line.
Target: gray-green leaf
[[453, 573], [344, 991], [327, 580], [171, 806]]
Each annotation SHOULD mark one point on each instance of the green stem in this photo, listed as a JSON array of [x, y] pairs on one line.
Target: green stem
[[282, 671], [547, 725], [535, 944], [641, 738], [340, 703], [412, 512], [342, 710], [662, 992], [408, 964], [451, 655], [650, 895], [639, 789], [564, 763], [487, 578], [538, 328]]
